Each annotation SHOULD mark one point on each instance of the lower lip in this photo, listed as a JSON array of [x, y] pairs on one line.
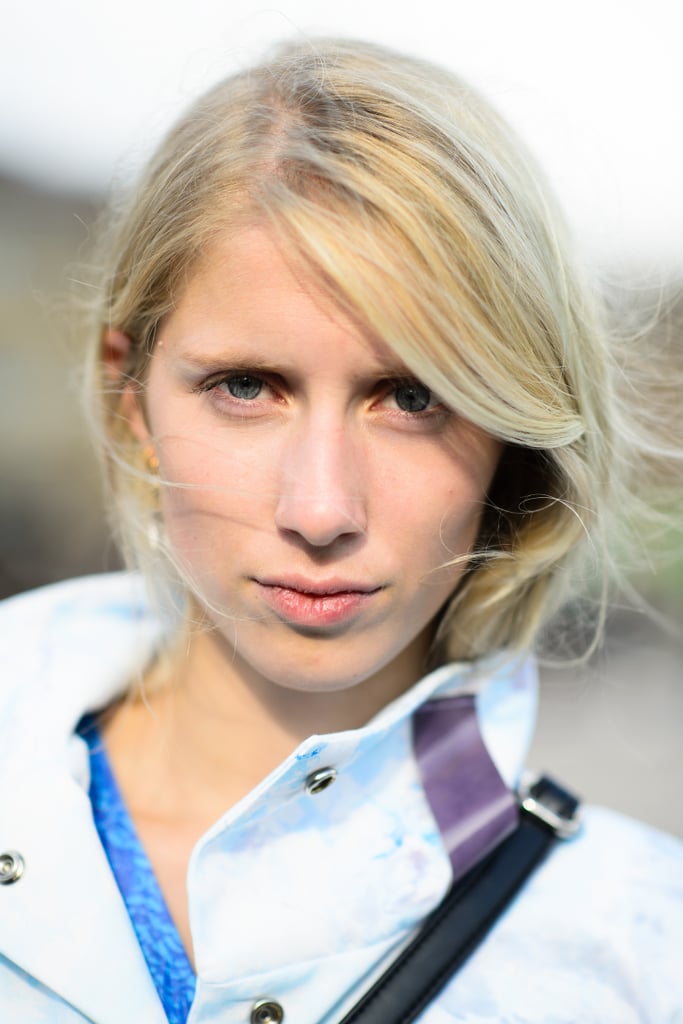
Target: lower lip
[[315, 610]]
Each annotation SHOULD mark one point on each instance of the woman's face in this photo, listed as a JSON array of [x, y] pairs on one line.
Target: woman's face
[[322, 488]]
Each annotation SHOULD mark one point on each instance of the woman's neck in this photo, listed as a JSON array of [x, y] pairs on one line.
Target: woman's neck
[[196, 744]]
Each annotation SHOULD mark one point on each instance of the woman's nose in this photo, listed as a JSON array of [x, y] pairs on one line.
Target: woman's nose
[[322, 496]]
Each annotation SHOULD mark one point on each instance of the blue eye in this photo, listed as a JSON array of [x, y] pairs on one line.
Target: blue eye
[[244, 386], [411, 396]]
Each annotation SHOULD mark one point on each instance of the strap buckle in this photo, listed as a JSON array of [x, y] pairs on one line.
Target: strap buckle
[[545, 800]]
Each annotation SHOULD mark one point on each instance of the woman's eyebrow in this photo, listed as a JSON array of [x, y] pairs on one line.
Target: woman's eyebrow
[[277, 364], [230, 361]]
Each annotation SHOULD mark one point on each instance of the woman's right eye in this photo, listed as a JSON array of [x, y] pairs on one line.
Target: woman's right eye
[[240, 392], [242, 386]]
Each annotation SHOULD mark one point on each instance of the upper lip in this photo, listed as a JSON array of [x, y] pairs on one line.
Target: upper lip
[[319, 587]]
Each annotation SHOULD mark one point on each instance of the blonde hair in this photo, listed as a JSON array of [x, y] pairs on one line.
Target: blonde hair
[[415, 206]]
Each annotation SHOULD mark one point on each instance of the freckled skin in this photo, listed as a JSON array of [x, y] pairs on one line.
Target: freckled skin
[[319, 494], [305, 461]]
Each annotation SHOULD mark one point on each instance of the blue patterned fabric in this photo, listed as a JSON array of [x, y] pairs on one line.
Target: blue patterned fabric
[[158, 936], [302, 898]]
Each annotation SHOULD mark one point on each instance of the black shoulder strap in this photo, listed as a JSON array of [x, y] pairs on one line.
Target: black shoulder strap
[[470, 908]]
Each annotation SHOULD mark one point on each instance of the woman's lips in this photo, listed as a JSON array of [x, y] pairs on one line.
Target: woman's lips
[[310, 604]]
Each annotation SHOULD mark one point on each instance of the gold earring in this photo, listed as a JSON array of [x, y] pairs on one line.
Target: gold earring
[[151, 458], [154, 524]]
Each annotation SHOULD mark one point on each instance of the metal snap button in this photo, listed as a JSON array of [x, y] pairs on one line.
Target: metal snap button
[[11, 867], [267, 1011], [320, 780]]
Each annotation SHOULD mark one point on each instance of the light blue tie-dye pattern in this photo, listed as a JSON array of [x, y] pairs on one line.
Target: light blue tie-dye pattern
[[302, 898]]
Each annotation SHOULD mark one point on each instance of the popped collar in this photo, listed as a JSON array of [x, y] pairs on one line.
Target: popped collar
[[291, 894]]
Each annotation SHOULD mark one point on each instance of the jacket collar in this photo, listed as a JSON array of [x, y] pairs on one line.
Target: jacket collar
[[74, 647], [68, 649]]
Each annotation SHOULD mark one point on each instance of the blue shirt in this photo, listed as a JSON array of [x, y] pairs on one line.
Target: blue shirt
[[303, 899], [157, 934]]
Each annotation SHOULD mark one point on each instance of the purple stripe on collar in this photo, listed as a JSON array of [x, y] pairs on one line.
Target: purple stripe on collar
[[472, 805]]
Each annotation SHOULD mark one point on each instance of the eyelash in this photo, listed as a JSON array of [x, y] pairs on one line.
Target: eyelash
[[384, 387], [214, 382]]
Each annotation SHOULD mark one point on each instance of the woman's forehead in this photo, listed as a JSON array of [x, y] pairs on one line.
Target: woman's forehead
[[247, 287]]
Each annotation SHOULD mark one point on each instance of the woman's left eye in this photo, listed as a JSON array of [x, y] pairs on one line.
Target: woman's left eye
[[411, 396]]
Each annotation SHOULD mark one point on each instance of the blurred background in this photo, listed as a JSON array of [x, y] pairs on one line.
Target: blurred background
[[595, 89]]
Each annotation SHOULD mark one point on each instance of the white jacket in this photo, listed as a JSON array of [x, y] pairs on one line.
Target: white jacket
[[304, 901]]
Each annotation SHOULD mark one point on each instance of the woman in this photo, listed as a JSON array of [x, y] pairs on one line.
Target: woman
[[360, 427]]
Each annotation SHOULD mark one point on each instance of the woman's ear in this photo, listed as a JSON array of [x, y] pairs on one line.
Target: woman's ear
[[116, 348], [115, 352]]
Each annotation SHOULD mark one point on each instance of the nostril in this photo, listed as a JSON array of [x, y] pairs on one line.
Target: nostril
[[321, 521]]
